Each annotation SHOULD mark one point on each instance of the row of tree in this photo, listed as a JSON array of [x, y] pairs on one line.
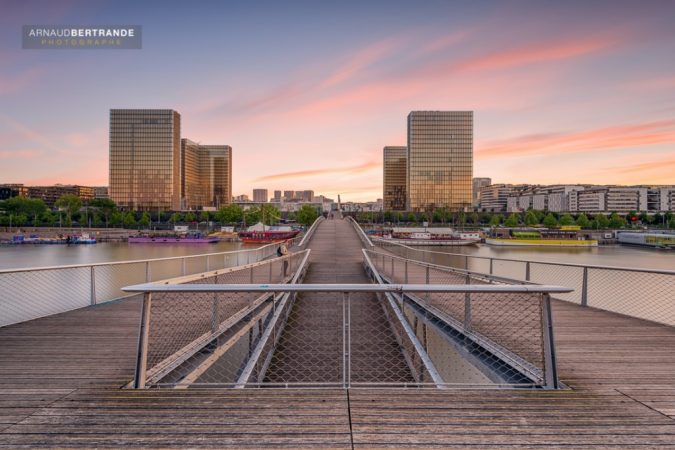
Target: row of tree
[[528, 218], [20, 211]]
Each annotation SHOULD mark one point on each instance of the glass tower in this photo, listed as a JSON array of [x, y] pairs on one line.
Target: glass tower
[[395, 174], [145, 159], [206, 175], [440, 160]]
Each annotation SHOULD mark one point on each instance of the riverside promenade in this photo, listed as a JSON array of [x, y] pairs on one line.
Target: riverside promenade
[[61, 380]]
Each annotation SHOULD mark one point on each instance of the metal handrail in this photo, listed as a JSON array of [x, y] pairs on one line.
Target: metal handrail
[[135, 261], [550, 263], [362, 234], [307, 236], [399, 288]]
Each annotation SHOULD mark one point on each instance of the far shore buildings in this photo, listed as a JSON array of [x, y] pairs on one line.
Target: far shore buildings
[[439, 163], [590, 199], [153, 169]]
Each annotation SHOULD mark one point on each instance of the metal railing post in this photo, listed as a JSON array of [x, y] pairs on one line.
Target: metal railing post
[[584, 288], [207, 264], [92, 277], [550, 369], [147, 271], [251, 276], [527, 271], [491, 260], [214, 313], [406, 271], [183, 267], [467, 307], [349, 340], [238, 258], [427, 281], [270, 264], [466, 262], [344, 341], [143, 336]]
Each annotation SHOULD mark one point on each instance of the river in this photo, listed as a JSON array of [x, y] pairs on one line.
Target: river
[[21, 256]]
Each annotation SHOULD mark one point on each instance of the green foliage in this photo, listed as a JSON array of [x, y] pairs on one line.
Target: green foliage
[[387, 216], [671, 222], [204, 216], [230, 214], [583, 221], [412, 218], [307, 215], [270, 214], [70, 203], [531, 218], [616, 221], [190, 217], [49, 218], [145, 220], [550, 221], [496, 219], [252, 216], [566, 219], [31, 207], [176, 217], [19, 220], [511, 221], [105, 207], [129, 220], [602, 221]]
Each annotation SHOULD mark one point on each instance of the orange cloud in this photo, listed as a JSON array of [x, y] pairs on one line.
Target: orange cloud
[[609, 138], [351, 170], [667, 165]]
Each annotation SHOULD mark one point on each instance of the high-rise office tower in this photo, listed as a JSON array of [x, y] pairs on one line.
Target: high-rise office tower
[[395, 164], [145, 158], [277, 196], [440, 160], [260, 195], [206, 175]]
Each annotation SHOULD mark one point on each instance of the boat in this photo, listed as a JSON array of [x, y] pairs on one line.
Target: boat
[[84, 238], [262, 234], [431, 236], [561, 237], [191, 237]]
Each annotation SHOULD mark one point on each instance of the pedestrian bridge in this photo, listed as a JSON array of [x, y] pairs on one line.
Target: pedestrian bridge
[[340, 344]]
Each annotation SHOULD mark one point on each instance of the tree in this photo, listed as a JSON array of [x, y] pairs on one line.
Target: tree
[[129, 220], [602, 221], [474, 218], [20, 220], [496, 219], [32, 208], [550, 221], [269, 214], [252, 215], [105, 206], [671, 223], [387, 216], [566, 219], [616, 221], [412, 218], [190, 217], [204, 216], [583, 222], [511, 221], [116, 219], [307, 215], [230, 214], [176, 217], [48, 218], [71, 204], [531, 218], [145, 220]]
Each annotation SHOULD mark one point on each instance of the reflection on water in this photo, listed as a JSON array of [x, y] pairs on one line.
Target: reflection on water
[[613, 255], [16, 256]]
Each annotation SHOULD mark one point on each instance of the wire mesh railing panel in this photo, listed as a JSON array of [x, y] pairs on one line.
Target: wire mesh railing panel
[[645, 295], [311, 343], [110, 279], [570, 276], [31, 294], [379, 350], [165, 269], [516, 270]]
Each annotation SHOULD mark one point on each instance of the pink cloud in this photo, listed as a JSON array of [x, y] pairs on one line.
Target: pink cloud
[[10, 84], [357, 169], [607, 138]]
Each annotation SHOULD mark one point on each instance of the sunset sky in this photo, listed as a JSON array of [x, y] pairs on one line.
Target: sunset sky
[[308, 93]]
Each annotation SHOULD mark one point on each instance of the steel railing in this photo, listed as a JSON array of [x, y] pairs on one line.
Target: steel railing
[[30, 293], [339, 335], [642, 293]]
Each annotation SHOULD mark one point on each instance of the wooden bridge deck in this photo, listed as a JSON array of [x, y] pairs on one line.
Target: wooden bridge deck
[[60, 380]]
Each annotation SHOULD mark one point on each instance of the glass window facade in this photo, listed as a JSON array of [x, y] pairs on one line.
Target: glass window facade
[[440, 160], [145, 158], [395, 174], [206, 175]]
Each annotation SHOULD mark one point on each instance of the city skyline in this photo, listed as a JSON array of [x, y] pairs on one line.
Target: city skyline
[[583, 92]]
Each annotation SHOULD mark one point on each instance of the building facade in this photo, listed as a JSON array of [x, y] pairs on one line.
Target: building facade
[[205, 176], [50, 194], [260, 195], [145, 159], [395, 167], [478, 184], [440, 160]]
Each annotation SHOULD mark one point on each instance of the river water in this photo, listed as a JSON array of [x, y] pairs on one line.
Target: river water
[[28, 255], [21, 256]]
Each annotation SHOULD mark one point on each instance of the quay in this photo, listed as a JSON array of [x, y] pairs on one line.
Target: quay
[[64, 378]]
